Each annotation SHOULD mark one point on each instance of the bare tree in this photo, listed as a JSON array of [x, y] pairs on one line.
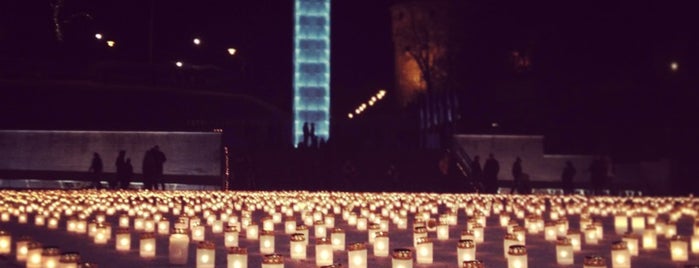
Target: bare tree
[[57, 7]]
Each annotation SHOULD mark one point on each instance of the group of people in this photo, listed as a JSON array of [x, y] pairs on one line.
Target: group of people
[[152, 169], [310, 140], [487, 176]]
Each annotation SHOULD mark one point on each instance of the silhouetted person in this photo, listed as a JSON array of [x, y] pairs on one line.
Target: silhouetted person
[[120, 162], [517, 175], [148, 169], [306, 134], [567, 178], [128, 174], [476, 172], [491, 168], [96, 170], [158, 161]]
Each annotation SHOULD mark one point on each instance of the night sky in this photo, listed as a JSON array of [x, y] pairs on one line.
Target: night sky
[[598, 67]]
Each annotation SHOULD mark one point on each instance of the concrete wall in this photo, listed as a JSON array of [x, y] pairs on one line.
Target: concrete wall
[[530, 148], [188, 153]]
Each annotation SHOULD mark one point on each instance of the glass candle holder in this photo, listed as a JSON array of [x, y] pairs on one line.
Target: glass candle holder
[[149, 226], [564, 252], [591, 235], [371, 233], [443, 231], [267, 224], [319, 229], [650, 239], [631, 242], [237, 257], [621, 224], [289, 225], [473, 264], [252, 232], [620, 255], [575, 239], [139, 224], [638, 223], [418, 233], [100, 237], [5, 243], [147, 245], [357, 255], [465, 251], [206, 254], [21, 248], [230, 237], [424, 251], [267, 242], [198, 233], [298, 246], [164, 227], [34, 250], [178, 249], [517, 257], [695, 244], [381, 244], [337, 236], [402, 258], [50, 257], [550, 233], [303, 230], [123, 239], [520, 233], [679, 249], [509, 240], [324, 252]]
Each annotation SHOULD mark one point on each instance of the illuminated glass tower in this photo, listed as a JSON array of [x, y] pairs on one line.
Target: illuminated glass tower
[[312, 67]]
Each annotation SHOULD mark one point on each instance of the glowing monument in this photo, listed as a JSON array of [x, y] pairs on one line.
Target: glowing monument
[[312, 67]]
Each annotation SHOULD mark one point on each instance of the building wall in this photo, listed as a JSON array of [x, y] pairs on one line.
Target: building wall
[[187, 153]]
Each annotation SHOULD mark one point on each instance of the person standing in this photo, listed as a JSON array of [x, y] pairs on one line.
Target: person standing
[[96, 170], [128, 174], [567, 178], [158, 162], [491, 168], [517, 176], [120, 162], [476, 172]]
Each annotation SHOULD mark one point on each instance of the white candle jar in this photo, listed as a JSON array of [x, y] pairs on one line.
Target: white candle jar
[[517, 257], [465, 251], [324, 252], [402, 258], [297, 246], [147, 245], [178, 249], [381, 244], [237, 257], [206, 255], [267, 242], [620, 255], [357, 255], [337, 236], [123, 239], [679, 249], [564, 252]]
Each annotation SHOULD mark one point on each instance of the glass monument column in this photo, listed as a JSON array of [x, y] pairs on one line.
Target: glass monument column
[[311, 68]]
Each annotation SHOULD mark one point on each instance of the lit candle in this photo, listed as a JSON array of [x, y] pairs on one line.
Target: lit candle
[[22, 248], [198, 233], [34, 251], [402, 258], [178, 249], [620, 255], [206, 254], [517, 257], [39, 220], [230, 237], [443, 231], [638, 224], [289, 225], [237, 257], [564, 252], [594, 262], [124, 221], [252, 232], [69, 260], [267, 224], [217, 227], [100, 237], [337, 236], [465, 251], [575, 240], [599, 229], [147, 245], [272, 261], [678, 249], [50, 257], [123, 239], [695, 244], [650, 240], [163, 227], [320, 230], [373, 229], [424, 251], [81, 226], [267, 242], [631, 242], [504, 219], [357, 255], [520, 233], [139, 224], [362, 224], [53, 223], [329, 221], [550, 231], [381, 244], [324, 252], [670, 229], [5, 243], [149, 226], [621, 223], [591, 235], [298, 246]]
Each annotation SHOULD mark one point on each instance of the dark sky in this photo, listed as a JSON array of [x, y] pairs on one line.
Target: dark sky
[[604, 61]]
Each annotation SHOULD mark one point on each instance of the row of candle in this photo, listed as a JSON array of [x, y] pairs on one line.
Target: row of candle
[[316, 209]]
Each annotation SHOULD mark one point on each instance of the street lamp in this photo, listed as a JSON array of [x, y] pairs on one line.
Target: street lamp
[[98, 36], [674, 66], [196, 41], [231, 51], [178, 64], [111, 43]]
